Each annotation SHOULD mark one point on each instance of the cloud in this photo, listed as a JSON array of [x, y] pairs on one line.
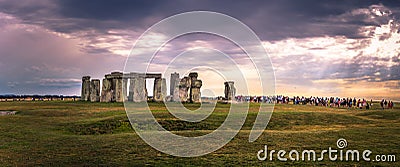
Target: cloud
[[317, 46], [334, 62], [272, 20], [56, 82], [31, 54]]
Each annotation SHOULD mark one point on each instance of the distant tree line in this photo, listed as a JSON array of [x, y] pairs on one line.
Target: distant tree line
[[13, 97]]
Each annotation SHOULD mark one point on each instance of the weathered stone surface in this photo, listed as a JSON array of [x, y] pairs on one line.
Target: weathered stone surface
[[85, 91], [114, 88], [230, 90], [131, 89], [193, 78], [106, 91], [160, 89], [125, 88], [95, 90], [118, 94], [184, 86], [196, 94], [146, 75], [189, 88], [137, 85], [174, 87], [116, 74], [108, 76], [152, 75], [193, 75], [163, 88], [139, 89], [157, 90]]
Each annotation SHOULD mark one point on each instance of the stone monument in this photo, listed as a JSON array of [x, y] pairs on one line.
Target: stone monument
[[230, 90], [95, 90], [85, 91], [189, 88], [115, 88], [196, 94], [160, 89], [174, 86]]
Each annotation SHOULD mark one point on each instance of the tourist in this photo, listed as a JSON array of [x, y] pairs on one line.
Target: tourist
[[364, 102], [390, 104], [385, 103], [350, 103]]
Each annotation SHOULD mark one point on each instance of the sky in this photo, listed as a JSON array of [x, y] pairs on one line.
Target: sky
[[316, 47]]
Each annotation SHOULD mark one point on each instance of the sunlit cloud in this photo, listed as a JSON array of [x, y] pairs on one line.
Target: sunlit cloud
[[328, 50], [338, 65]]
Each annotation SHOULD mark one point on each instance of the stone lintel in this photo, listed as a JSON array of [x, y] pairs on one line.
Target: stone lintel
[[193, 75], [145, 75], [85, 78]]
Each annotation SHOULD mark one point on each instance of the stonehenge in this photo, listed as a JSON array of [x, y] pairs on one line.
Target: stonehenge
[[115, 88]]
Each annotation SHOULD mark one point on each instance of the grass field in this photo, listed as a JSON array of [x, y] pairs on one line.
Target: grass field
[[96, 134]]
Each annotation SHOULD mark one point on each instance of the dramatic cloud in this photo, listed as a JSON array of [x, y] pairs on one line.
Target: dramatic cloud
[[345, 48], [333, 63], [37, 60]]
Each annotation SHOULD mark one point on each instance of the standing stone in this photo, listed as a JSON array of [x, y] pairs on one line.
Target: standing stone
[[131, 89], [163, 89], [184, 86], [230, 90], [196, 94], [139, 89], [117, 83], [106, 92], [125, 88], [95, 90], [174, 87], [176, 96], [85, 91], [160, 89], [118, 95], [193, 77]]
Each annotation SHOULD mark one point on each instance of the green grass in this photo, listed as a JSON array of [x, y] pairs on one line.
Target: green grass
[[99, 134]]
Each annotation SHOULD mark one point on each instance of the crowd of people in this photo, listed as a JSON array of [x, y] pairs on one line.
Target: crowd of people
[[386, 104], [317, 101]]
